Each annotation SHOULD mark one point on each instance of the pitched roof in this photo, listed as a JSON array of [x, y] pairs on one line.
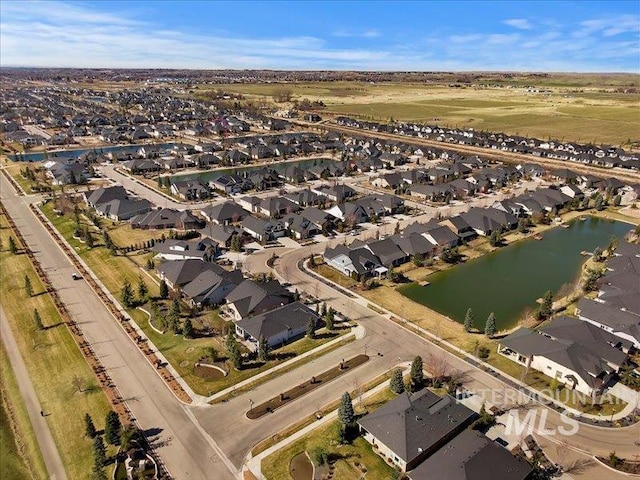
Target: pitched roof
[[471, 456], [250, 296], [412, 423], [224, 212], [292, 316], [181, 272]]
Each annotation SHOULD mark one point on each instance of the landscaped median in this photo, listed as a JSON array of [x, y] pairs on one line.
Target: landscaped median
[[305, 387]]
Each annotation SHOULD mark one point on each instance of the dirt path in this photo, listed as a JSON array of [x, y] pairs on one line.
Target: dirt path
[[41, 429]]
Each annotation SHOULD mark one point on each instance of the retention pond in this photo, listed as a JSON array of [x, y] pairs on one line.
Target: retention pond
[[509, 280]]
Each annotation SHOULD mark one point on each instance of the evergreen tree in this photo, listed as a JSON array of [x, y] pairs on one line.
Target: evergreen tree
[[396, 384], [188, 328], [99, 451], [235, 355], [89, 427], [346, 415], [328, 319], [27, 286], [617, 200], [98, 473], [13, 248], [494, 239], [37, 320], [522, 225], [142, 290], [468, 320], [416, 375], [126, 295], [106, 238], [311, 328], [490, 326], [175, 306], [323, 309], [164, 289], [263, 349], [546, 308], [112, 428], [88, 239]]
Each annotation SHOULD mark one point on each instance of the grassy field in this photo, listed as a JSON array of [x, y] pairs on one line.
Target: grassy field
[[276, 465], [20, 456], [582, 108], [49, 351]]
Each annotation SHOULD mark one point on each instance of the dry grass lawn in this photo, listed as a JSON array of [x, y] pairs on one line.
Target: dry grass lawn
[[53, 361]]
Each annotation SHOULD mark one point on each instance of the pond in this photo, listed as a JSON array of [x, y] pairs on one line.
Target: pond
[[76, 153], [508, 281]]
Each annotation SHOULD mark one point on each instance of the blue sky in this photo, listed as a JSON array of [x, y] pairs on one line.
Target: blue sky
[[449, 35]]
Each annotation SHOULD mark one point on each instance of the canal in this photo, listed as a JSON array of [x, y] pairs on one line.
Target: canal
[[509, 280]]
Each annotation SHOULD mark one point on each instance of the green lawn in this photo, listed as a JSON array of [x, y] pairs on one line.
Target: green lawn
[[276, 465], [53, 361]]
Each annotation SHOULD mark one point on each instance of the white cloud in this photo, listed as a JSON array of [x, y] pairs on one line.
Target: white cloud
[[520, 23], [371, 33]]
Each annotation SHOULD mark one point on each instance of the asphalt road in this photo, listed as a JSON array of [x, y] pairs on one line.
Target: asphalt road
[[182, 445], [38, 422]]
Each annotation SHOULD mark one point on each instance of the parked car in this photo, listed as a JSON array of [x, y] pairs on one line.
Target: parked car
[[75, 276]]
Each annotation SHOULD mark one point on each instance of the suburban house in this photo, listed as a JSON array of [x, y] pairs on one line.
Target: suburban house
[[278, 326], [252, 298], [211, 288], [472, 456], [123, 209], [177, 273], [166, 218], [170, 249], [224, 213], [358, 262], [190, 190], [576, 353], [102, 195], [389, 254], [623, 324], [412, 427], [263, 230]]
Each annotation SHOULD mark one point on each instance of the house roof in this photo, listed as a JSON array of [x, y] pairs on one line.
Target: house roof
[[250, 296], [106, 194], [412, 423], [387, 251], [209, 280], [181, 272], [292, 316], [610, 315], [224, 212], [471, 456]]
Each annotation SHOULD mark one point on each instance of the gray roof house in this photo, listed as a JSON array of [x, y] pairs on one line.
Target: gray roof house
[[359, 261], [224, 213], [211, 288], [104, 195], [412, 427], [123, 209], [278, 326], [472, 456], [180, 272], [252, 298], [623, 324], [389, 254], [567, 350]]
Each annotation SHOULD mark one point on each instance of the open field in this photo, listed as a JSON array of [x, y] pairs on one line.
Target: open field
[[573, 107], [20, 455], [47, 351]]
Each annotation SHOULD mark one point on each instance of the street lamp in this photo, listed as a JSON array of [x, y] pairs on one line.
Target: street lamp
[[365, 349], [250, 406]]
